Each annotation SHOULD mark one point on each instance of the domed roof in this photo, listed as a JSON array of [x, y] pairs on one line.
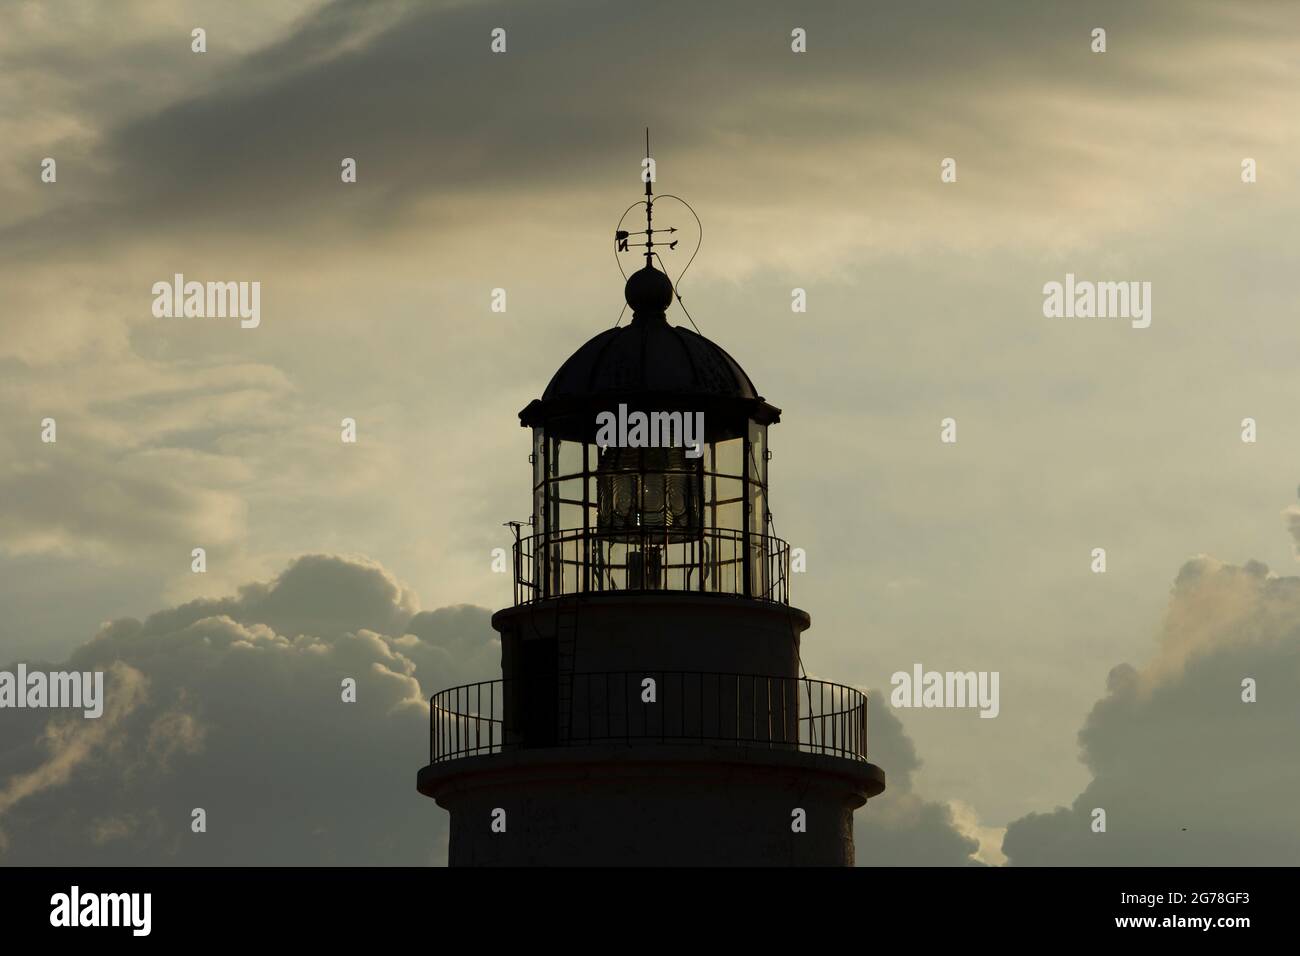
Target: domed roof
[[648, 360], [649, 355]]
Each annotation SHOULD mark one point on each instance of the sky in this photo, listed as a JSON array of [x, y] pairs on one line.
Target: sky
[[819, 171]]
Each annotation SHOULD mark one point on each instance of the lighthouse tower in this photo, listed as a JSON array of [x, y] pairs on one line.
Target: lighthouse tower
[[651, 708]]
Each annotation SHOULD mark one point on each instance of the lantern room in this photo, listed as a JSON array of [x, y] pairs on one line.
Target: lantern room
[[650, 467]]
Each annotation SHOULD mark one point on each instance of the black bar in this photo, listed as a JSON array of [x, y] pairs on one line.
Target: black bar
[[284, 906]]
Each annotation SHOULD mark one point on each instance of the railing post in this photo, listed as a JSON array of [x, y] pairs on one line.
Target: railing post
[[767, 682], [835, 723], [701, 682], [862, 722], [717, 707], [736, 732], [681, 711], [785, 733], [821, 694]]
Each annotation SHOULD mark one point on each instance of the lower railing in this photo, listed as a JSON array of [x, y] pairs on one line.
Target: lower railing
[[746, 710]]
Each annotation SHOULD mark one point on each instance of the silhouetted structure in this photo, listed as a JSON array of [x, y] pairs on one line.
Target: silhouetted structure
[[651, 709]]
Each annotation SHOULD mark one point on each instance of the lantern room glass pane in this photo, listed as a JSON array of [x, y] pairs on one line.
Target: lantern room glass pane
[[727, 457], [567, 496], [729, 516], [566, 458], [758, 453], [757, 489]]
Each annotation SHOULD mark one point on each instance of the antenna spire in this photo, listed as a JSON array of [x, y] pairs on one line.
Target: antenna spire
[[649, 202], [621, 236]]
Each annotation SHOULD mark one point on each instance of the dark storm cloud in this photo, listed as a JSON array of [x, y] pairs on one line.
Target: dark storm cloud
[[413, 93], [234, 706], [1187, 773]]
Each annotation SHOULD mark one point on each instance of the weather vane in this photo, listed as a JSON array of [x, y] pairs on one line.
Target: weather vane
[[622, 236]]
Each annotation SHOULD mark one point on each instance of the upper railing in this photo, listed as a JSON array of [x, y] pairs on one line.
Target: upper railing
[[707, 560], [744, 710]]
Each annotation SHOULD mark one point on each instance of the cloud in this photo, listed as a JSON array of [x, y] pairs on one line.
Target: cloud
[[113, 506], [69, 741], [1292, 515], [141, 472], [1187, 773], [900, 827], [235, 706], [967, 821]]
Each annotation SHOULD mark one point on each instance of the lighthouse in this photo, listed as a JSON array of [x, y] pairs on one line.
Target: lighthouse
[[652, 707]]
